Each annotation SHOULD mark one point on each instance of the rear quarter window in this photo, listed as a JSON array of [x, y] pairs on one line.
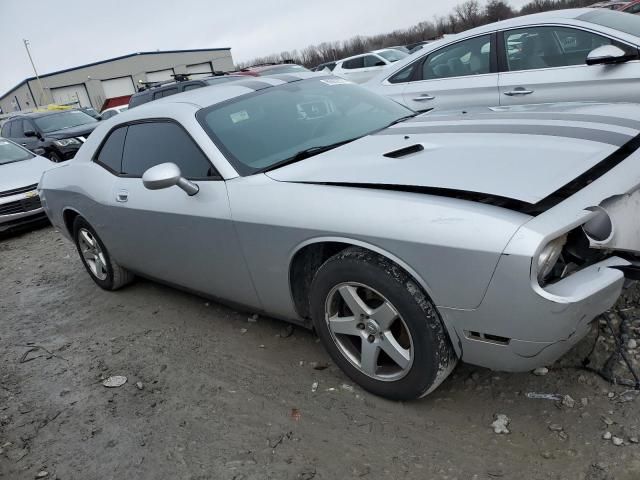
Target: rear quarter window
[[110, 154]]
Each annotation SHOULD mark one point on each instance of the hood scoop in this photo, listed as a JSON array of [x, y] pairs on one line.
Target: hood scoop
[[403, 152]]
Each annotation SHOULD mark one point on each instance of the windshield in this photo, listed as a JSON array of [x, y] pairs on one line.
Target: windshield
[[283, 69], [63, 120], [10, 153], [392, 55], [258, 130], [616, 20]]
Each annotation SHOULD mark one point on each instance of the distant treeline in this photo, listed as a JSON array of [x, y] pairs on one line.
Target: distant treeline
[[463, 17]]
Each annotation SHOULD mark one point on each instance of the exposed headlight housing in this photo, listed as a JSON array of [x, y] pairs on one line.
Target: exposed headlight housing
[[548, 257], [66, 142]]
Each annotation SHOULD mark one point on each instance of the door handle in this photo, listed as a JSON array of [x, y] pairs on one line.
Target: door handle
[[518, 91], [122, 196], [23, 144], [423, 98]]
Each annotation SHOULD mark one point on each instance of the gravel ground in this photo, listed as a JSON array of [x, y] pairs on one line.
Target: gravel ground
[[212, 395]]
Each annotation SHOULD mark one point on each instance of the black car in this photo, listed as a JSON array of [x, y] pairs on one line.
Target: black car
[[171, 88], [55, 135]]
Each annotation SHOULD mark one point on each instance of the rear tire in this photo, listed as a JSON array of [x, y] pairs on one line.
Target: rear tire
[[96, 259], [379, 326]]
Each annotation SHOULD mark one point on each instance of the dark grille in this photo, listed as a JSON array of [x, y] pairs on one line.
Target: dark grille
[[20, 206], [28, 188]]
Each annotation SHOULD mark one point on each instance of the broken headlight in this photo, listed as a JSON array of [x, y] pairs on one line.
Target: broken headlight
[[548, 257]]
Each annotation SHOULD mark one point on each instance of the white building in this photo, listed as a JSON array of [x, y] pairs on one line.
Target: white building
[[104, 83]]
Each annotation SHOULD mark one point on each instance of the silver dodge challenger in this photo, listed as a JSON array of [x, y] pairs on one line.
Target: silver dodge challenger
[[494, 236]]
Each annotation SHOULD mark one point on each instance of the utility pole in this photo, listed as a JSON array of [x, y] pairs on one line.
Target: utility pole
[[26, 45]]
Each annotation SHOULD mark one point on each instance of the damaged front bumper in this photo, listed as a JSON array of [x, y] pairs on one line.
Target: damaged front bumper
[[519, 329]]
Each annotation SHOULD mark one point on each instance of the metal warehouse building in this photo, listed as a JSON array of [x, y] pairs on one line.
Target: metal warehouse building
[[101, 84]]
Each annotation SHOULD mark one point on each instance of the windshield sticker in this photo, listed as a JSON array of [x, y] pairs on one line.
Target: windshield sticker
[[336, 81], [240, 116]]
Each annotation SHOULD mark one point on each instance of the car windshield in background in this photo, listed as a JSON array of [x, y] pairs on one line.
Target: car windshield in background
[[220, 80], [616, 20], [10, 153], [392, 55], [63, 120], [269, 127], [285, 69]]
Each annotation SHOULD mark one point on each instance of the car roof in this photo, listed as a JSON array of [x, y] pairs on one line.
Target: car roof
[[214, 94]]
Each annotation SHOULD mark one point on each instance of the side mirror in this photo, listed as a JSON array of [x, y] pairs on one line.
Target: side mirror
[[167, 175], [30, 133], [606, 55]]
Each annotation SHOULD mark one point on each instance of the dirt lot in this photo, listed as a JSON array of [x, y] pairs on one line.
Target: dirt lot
[[225, 398]]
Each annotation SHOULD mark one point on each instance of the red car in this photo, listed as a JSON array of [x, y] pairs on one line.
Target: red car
[[271, 69]]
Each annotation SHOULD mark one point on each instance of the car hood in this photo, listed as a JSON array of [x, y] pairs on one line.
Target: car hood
[[524, 154], [79, 131], [24, 173]]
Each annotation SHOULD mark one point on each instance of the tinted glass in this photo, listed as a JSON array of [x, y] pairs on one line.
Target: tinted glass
[[149, 144], [17, 128], [617, 20], [283, 69], [108, 114], [5, 130], [259, 130], [192, 86], [372, 61], [353, 63], [139, 99], [12, 153], [633, 9], [548, 47], [219, 80], [469, 57], [110, 154], [63, 120], [403, 75]]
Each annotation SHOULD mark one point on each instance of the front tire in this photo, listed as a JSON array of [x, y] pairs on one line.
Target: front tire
[[102, 269], [54, 157], [379, 326]]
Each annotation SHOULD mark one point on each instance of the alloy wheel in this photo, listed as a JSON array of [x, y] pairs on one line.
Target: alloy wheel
[[369, 331], [92, 254]]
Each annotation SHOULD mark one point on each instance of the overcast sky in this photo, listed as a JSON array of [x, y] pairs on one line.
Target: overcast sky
[[67, 33]]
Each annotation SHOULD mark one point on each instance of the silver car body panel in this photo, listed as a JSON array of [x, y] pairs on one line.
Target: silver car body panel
[[235, 240], [18, 176], [608, 83]]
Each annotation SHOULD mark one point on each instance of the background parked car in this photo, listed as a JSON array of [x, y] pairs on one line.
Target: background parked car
[[363, 67], [171, 88], [92, 112], [113, 111], [20, 172], [271, 69], [56, 135], [557, 56]]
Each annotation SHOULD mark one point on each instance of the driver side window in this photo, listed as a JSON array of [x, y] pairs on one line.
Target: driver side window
[[152, 143], [549, 47]]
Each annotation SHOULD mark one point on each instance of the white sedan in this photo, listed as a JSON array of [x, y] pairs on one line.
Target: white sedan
[[110, 112], [556, 56]]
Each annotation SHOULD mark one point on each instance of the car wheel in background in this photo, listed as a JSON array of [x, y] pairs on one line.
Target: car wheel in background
[[379, 326], [54, 157], [95, 257]]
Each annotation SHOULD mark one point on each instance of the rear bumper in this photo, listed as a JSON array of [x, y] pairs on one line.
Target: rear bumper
[[518, 328]]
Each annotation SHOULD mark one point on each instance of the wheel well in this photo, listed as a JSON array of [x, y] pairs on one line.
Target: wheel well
[[69, 216], [303, 267]]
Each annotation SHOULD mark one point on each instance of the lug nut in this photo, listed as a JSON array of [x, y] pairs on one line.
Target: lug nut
[[371, 338], [360, 326]]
